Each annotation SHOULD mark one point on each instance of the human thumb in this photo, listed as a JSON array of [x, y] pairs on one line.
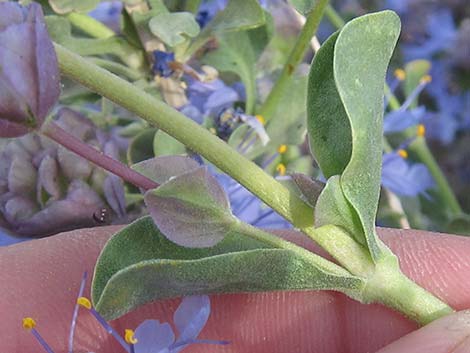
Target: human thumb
[[448, 334]]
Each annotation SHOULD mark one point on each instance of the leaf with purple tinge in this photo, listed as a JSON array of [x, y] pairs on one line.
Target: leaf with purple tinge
[[191, 209], [163, 168]]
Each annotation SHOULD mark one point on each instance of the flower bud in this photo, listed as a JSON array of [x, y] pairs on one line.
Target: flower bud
[[45, 189], [29, 73]]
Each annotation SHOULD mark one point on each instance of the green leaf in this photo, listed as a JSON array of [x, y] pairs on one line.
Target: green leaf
[[139, 265], [303, 6], [141, 146], [238, 15], [332, 207], [191, 209], [60, 30], [238, 52], [174, 28], [328, 124], [164, 145], [66, 6], [163, 168], [345, 112]]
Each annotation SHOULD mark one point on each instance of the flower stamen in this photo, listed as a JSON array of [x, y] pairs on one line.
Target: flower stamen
[[30, 324]]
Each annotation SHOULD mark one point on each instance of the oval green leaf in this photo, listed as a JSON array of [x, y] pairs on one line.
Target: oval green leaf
[[345, 112], [139, 265]]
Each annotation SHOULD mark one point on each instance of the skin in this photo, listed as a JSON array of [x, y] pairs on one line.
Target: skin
[[40, 279]]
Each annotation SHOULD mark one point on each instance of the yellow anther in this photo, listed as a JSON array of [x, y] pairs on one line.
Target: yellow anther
[[402, 153], [260, 119], [28, 323], [213, 131], [85, 302], [282, 149], [421, 130], [400, 74], [281, 169], [425, 79], [129, 336]]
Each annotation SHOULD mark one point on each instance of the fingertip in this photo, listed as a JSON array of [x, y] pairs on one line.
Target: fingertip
[[449, 334]]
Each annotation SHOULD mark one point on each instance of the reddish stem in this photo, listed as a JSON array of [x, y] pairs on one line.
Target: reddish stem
[[62, 137]]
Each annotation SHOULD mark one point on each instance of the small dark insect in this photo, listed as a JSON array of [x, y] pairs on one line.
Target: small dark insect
[[100, 216]]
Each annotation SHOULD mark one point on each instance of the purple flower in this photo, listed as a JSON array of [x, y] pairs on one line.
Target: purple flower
[[401, 119], [29, 75], [441, 33], [404, 178], [161, 65], [248, 208], [208, 10], [44, 188], [190, 318], [108, 12]]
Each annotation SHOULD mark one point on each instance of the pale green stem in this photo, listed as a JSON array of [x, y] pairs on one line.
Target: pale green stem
[[446, 194], [335, 19], [385, 283], [118, 69], [286, 203], [268, 238], [90, 26], [196, 138], [296, 56], [421, 149]]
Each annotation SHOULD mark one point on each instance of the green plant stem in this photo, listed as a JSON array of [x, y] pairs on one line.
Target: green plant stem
[[90, 26], [118, 69], [196, 138], [385, 283], [419, 147], [288, 204], [301, 46], [389, 286], [268, 238], [334, 18]]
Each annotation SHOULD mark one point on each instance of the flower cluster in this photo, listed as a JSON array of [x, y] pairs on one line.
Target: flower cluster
[[45, 189]]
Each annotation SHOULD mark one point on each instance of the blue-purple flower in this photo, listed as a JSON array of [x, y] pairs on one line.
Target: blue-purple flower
[[29, 74], [248, 208], [161, 64], [404, 178], [45, 189], [189, 319]]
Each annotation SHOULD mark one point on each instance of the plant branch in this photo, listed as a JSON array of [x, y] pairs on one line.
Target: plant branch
[[285, 202], [198, 139], [62, 137]]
